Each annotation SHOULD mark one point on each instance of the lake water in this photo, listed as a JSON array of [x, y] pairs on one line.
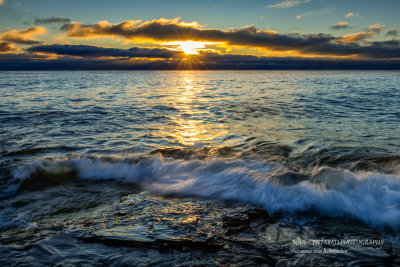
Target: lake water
[[304, 146]]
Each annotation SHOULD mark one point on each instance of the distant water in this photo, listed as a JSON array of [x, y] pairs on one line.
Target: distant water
[[285, 141]]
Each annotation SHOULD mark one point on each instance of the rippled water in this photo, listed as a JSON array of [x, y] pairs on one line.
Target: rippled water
[[288, 142], [133, 112]]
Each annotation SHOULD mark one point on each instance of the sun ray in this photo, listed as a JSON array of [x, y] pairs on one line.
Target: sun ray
[[188, 47]]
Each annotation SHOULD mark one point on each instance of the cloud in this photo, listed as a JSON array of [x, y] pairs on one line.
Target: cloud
[[303, 15], [288, 3], [376, 28], [22, 36], [348, 15], [392, 32], [6, 47], [165, 30], [209, 61], [356, 37], [1, 2], [216, 61], [97, 51], [52, 20], [341, 25], [351, 14]]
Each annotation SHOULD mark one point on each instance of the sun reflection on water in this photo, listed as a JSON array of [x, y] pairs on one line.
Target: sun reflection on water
[[188, 126], [189, 131]]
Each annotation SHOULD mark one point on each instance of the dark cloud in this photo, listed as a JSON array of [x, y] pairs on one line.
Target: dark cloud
[[21, 40], [165, 30], [52, 20], [215, 61], [341, 25], [96, 51], [28, 61], [384, 49], [210, 61], [392, 32], [171, 30], [6, 47]]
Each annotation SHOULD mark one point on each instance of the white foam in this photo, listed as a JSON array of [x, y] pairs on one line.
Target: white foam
[[373, 198]]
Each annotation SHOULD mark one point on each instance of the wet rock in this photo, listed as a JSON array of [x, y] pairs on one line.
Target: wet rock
[[235, 220], [129, 228], [137, 240]]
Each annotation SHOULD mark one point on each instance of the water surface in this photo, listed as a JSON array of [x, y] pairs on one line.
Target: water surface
[[303, 146]]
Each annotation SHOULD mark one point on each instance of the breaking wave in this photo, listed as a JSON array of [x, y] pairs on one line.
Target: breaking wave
[[370, 197]]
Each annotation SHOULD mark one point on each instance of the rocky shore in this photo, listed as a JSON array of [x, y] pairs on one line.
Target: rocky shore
[[107, 224]]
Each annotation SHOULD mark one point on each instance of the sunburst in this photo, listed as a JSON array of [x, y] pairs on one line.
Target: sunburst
[[188, 47]]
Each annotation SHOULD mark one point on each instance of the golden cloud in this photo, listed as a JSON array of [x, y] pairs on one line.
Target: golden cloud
[[169, 30], [355, 37], [7, 47], [23, 36]]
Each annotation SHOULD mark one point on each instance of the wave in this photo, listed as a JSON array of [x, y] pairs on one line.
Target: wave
[[370, 197]]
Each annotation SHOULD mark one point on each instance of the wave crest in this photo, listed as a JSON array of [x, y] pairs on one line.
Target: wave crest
[[370, 197]]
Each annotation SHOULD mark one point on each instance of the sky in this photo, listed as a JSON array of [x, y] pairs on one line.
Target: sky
[[219, 34]]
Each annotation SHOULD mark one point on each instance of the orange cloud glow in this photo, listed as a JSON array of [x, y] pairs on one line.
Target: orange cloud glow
[[355, 37], [23, 36]]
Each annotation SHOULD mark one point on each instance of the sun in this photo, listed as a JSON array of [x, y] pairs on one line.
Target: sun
[[188, 47]]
